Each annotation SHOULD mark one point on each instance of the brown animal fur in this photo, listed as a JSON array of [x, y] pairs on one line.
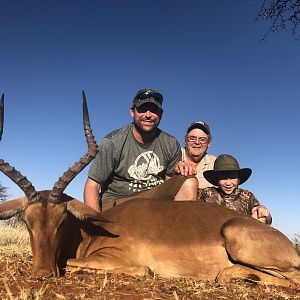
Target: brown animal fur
[[172, 239]]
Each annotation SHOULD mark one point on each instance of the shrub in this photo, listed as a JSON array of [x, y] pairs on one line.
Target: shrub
[[3, 193]]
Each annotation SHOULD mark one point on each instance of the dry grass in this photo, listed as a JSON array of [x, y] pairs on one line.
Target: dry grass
[[16, 283], [14, 236]]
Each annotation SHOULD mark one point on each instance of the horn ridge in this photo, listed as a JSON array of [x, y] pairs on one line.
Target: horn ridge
[[90, 139], [78, 166], [23, 183]]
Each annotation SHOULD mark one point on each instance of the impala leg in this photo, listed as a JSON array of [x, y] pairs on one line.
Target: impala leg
[[252, 243], [93, 264], [249, 274]]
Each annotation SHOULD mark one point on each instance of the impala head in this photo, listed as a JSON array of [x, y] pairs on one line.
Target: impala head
[[45, 212]]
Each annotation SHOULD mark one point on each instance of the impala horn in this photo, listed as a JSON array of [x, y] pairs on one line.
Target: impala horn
[[71, 173], [1, 115], [25, 185]]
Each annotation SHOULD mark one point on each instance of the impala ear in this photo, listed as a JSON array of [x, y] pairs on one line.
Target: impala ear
[[85, 213], [81, 211], [12, 207]]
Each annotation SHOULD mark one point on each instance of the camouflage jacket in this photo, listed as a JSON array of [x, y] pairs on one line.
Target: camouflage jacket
[[240, 200]]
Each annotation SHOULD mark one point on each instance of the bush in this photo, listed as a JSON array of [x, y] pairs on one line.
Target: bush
[[297, 242], [16, 220], [3, 193]]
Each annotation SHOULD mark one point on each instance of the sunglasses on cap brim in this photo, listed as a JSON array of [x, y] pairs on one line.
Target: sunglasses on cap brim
[[149, 94]]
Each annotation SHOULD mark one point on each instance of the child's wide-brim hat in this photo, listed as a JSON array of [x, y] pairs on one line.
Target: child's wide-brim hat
[[225, 164]]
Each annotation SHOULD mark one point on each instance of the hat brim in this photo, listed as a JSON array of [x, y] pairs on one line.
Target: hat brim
[[199, 126], [148, 100], [213, 176]]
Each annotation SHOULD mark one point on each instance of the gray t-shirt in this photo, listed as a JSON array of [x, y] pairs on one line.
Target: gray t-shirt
[[125, 167]]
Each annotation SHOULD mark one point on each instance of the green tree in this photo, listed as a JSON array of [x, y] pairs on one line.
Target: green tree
[[17, 219], [282, 14], [3, 193]]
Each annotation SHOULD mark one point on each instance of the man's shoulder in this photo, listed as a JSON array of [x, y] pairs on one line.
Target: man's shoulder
[[167, 137], [209, 158], [119, 133], [206, 163]]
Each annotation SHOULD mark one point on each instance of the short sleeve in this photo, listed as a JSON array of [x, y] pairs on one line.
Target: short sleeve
[[103, 164], [175, 159]]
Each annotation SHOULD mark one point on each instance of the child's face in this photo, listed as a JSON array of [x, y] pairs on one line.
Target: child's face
[[229, 183]]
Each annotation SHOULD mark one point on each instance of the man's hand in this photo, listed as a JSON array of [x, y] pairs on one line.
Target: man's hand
[[261, 213], [185, 169]]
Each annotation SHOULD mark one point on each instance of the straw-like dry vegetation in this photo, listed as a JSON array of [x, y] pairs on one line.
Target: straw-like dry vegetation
[[15, 281]]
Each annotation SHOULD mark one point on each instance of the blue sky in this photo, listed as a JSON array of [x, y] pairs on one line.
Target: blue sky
[[205, 57]]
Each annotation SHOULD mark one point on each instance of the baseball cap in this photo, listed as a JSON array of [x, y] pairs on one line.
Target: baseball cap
[[199, 124], [146, 96]]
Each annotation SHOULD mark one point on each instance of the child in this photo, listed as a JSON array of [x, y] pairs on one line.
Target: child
[[227, 176]]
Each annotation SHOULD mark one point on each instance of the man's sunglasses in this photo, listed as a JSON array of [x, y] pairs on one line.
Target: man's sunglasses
[[149, 94], [148, 107]]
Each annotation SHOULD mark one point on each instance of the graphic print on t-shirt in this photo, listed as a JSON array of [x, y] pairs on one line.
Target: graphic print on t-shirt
[[144, 171]]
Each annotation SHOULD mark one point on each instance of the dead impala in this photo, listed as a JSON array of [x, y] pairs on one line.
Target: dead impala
[[172, 239]]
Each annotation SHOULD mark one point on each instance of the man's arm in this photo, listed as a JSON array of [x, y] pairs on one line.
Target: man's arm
[[91, 194], [184, 169], [101, 168]]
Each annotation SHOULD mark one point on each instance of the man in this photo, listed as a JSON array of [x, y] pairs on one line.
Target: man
[[197, 141], [227, 176], [138, 158]]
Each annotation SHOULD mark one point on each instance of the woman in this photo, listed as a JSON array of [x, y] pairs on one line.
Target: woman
[[227, 176]]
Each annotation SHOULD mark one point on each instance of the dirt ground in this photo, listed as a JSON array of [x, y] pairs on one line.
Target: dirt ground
[[16, 283]]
